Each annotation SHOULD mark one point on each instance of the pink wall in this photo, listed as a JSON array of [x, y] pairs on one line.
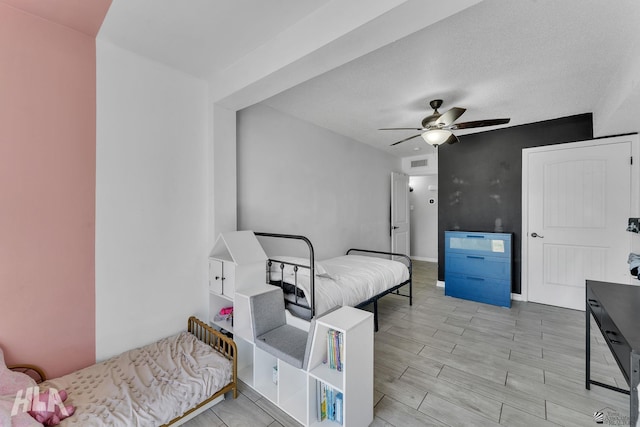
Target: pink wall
[[47, 192]]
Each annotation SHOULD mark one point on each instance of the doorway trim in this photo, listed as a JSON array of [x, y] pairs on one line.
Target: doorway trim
[[400, 215], [635, 191]]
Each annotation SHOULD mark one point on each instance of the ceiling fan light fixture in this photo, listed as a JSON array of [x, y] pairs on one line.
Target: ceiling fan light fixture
[[436, 137], [436, 128]]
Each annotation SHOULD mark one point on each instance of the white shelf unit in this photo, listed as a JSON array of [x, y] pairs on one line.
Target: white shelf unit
[[355, 381], [296, 389], [245, 360], [237, 261], [263, 365]]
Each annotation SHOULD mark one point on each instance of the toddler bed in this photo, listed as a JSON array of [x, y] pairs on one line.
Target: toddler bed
[[357, 279], [163, 383]]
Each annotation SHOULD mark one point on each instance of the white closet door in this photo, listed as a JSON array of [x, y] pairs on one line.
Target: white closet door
[[579, 200]]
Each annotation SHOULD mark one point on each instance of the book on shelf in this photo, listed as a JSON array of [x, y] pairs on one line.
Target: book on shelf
[[322, 401], [338, 406], [329, 403], [335, 349]]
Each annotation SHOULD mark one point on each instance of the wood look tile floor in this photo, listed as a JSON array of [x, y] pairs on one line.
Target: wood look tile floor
[[451, 362]]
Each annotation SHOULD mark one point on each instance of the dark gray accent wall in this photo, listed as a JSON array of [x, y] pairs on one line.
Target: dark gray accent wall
[[480, 179]]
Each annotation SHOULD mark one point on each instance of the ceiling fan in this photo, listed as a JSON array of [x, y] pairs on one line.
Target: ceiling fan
[[436, 128]]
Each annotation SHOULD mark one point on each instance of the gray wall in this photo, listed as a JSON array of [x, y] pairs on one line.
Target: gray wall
[[298, 178], [480, 179], [424, 217]]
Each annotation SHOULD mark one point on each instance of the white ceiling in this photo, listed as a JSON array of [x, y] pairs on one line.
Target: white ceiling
[[200, 37], [529, 60]]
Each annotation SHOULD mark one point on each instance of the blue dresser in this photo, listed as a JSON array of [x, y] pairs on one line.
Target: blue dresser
[[478, 266]]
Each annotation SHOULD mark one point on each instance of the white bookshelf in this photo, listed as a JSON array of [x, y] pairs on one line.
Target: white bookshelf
[[295, 391], [245, 360], [263, 383], [355, 381]]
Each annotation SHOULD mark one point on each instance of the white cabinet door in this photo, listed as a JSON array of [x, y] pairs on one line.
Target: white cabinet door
[[222, 277], [215, 276]]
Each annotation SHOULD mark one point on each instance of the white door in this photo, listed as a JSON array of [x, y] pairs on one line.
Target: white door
[[400, 213], [578, 203]]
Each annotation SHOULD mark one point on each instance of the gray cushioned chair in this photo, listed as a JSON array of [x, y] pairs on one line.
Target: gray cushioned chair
[[271, 332]]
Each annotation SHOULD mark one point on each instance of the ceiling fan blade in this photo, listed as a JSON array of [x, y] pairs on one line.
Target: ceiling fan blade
[[406, 139], [402, 129], [450, 116], [452, 139], [480, 123]]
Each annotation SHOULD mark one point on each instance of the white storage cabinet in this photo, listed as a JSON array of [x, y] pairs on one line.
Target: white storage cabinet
[[295, 390], [236, 261]]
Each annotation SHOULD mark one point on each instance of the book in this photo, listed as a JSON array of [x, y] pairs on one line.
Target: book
[[335, 350], [319, 400], [338, 408], [329, 403], [340, 352], [323, 402]]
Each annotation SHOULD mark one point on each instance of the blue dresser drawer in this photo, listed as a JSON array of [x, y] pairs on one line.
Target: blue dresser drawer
[[479, 265], [489, 291], [474, 243]]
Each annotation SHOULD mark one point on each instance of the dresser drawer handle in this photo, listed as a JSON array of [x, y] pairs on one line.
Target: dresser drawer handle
[[614, 341], [475, 257], [611, 333], [593, 303], [479, 279], [475, 237]]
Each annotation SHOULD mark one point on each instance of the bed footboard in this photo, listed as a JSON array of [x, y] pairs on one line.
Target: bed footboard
[[33, 371], [219, 342], [223, 345], [394, 290]]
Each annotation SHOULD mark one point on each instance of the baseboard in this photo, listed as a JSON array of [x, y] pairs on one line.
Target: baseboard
[[419, 258], [517, 297]]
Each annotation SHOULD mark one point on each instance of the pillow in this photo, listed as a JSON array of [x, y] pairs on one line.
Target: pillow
[[10, 383], [319, 270], [21, 419]]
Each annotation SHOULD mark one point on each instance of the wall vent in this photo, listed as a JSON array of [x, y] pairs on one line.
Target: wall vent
[[419, 163]]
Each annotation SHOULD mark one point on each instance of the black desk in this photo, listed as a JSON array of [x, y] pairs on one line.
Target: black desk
[[616, 310]]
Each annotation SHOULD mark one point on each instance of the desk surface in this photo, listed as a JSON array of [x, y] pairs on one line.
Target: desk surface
[[622, 303]]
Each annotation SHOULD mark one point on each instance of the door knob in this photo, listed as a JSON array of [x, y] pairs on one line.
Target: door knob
[[534, 234], [395, 227]]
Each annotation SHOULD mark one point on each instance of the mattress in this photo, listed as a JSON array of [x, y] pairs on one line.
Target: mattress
[[349, 280], [147, 386]]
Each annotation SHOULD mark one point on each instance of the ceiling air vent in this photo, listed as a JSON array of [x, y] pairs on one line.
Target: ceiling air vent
[[419, 163]]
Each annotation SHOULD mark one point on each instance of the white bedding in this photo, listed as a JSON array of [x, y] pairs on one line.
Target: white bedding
[[353, 279], [147, 386]]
